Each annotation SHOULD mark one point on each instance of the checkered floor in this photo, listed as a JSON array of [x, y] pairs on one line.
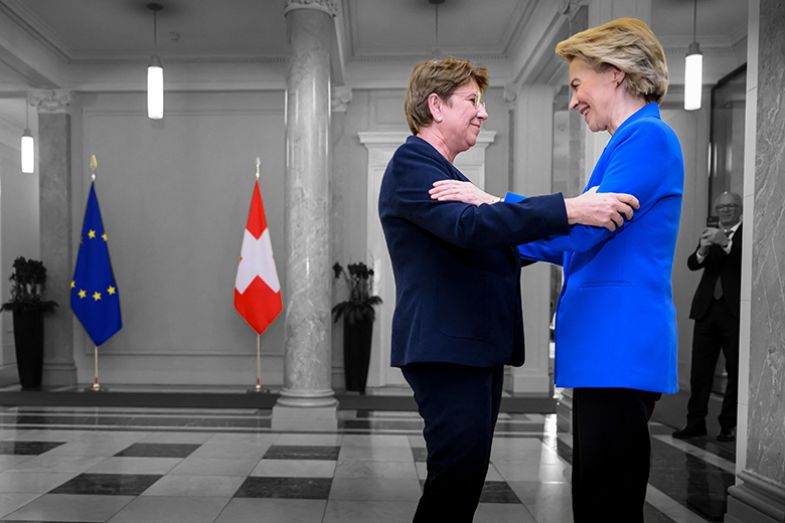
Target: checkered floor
[[192, 466]]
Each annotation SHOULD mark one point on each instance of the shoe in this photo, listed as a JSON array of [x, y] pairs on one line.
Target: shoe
[[690, 432], [727, 435]]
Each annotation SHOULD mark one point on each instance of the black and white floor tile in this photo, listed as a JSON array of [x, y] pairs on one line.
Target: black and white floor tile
[[132, 465]]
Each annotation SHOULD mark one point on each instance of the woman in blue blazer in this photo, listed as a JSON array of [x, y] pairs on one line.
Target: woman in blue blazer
[[615, 322]]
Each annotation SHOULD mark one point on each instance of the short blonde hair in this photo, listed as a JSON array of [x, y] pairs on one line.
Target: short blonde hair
[[442, 77], [627, 44]]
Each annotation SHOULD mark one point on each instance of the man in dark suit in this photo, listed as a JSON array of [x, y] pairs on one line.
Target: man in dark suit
[[715, 309], [458, 314]]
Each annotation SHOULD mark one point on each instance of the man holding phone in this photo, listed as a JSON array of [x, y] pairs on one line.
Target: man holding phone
[[715, 309]]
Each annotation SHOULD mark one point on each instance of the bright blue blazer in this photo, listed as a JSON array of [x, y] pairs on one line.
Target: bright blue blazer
[[456, 268], [615, 320]]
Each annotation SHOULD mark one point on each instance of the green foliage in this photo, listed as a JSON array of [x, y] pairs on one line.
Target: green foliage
[[27, 286], [359, 305]]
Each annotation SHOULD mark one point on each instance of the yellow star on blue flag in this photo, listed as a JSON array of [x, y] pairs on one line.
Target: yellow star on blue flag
[[93, 277]]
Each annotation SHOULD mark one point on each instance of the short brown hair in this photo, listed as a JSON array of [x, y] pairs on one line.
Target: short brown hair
[[627, 44], [442, 77]]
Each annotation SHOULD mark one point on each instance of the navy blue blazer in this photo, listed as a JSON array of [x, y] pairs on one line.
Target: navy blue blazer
[[457, 273]]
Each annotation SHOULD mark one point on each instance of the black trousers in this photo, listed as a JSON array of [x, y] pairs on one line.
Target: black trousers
[[717, 330], [611, 454], [460, 405]]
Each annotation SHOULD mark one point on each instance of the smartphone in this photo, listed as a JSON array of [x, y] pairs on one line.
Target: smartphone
[[713, 221]]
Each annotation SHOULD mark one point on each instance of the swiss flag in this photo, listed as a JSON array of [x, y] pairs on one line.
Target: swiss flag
[[257, 292]]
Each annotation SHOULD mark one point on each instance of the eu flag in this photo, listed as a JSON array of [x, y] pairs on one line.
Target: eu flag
[[94, 296]]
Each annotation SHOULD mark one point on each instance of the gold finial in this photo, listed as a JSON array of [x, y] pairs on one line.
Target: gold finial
[[93, 166], [258, 164]]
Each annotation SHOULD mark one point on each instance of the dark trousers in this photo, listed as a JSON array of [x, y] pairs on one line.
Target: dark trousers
[[611, 454], [717, 330], [459, 405]]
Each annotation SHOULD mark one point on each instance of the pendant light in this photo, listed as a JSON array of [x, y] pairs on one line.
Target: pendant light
[[693, 69], [28, 145], [155, 73]]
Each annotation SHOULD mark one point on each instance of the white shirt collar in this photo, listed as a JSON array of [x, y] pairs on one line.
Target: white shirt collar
[[735, 227]]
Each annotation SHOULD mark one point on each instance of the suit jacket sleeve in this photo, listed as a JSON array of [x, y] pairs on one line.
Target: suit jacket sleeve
[[636, 168], [715, 257], [537, 250], [411, 174], [692, 261]]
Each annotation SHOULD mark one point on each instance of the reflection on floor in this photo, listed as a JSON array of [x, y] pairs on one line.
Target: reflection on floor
[[218, 465]]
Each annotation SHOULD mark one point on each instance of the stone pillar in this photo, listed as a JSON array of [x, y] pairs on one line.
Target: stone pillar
[[532, 176], [759, 493], [56, 223], [341, 175], [307, 400]]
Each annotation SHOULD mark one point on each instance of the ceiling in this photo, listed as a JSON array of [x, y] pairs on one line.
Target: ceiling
[[96, 32], [89, 30], [121, 29], [465, 27]]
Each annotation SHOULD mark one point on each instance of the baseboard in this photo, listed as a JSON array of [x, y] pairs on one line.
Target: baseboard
[[264, 400], [754, 500]]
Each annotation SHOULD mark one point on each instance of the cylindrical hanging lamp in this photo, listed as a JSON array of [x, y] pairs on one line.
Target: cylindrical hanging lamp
[[693, 69], [155, 73], [155, 89], [28, 144]]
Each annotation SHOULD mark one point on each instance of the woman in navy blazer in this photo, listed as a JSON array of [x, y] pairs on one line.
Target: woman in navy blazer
[[616, 341], [458, 316]]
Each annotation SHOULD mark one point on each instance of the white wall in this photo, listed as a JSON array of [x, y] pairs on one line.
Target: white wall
[[174, 196], [19, 230], [692, 128]]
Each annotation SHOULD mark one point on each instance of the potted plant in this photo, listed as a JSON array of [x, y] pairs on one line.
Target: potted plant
[[27, 286], [358, 316]]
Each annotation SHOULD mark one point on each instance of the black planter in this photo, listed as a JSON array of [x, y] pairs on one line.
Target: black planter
[[29, 341], [356, 353]]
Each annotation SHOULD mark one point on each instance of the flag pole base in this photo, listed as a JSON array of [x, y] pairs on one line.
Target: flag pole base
[[257, 389], [96, 387]]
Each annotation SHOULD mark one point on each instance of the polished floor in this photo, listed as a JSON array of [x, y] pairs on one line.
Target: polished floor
[[128, 465]]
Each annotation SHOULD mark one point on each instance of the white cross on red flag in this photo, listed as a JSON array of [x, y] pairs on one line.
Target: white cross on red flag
[[257, 292]]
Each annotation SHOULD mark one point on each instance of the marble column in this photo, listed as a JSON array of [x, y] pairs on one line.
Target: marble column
[[759, 493], [340, 177], [307, 400], [56, 225]]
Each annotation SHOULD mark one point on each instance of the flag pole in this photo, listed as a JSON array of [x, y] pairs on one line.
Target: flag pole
[[96, 386], [258, 387]]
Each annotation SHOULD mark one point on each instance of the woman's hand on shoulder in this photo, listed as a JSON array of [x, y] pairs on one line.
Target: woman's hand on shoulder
[[457, 191], [596, 209]]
